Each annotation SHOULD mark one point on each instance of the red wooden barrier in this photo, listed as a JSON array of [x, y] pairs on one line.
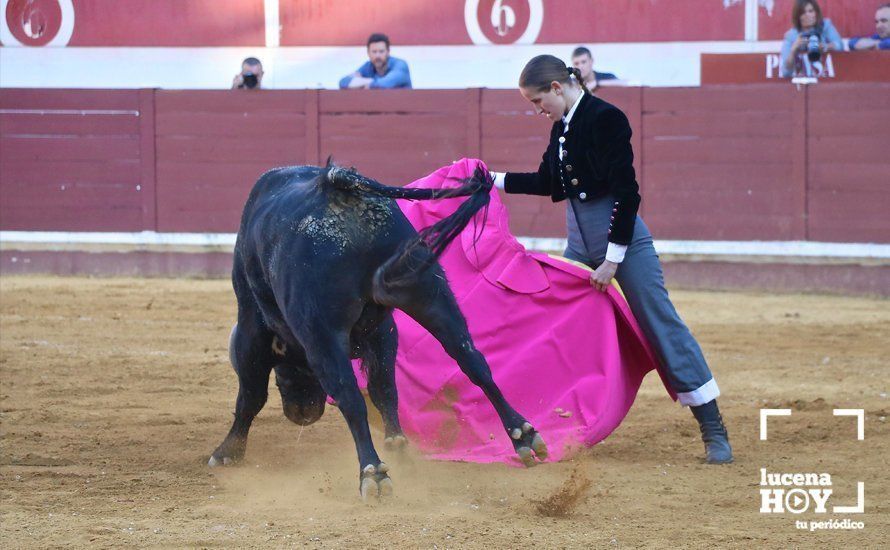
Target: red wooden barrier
[[848, 163], [718, 163], [735, 162], [213, 145], [71, 160], [397, 136]]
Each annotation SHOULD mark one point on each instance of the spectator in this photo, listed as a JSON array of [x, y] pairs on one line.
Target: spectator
[[582, 59], [880, 40], [381, 70], [806, 18], [251, 75]]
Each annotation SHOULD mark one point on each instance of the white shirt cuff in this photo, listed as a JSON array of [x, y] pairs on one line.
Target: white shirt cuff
[[499, 178], [615, 252]]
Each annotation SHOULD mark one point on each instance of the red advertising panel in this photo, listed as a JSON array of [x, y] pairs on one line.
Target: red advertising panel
[[215, 23], [349, 22], [134, 23], [569, 21], [345, 22], [761, 68]]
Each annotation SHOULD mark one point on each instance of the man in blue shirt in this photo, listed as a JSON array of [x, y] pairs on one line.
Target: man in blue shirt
[[381, 70], [881, 39]]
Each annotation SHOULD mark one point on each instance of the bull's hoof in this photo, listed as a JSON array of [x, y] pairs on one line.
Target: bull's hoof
[[217, 459], [224, 461], [227, 455], [529, 445], [375, 482], [395, 442], [220, 461]]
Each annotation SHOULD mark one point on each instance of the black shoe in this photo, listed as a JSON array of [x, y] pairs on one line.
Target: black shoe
[[713, 433]]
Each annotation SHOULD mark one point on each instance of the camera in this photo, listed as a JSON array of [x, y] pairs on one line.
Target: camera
[[250, 80], [814, 43]]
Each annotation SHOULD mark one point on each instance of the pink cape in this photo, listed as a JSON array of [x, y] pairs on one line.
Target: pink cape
[[569, 358]]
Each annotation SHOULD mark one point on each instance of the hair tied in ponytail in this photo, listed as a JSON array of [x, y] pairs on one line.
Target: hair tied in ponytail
[[542, 70]]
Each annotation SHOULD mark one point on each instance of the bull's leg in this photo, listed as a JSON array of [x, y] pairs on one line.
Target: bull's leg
[[251, 355], [329, 359], [431, 303], [379, 359]]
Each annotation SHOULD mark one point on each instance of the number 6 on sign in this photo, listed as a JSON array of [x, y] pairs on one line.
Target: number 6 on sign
[[505, 23], [503, 20]]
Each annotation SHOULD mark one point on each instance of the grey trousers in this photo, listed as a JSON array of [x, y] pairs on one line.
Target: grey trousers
[[642, 282]]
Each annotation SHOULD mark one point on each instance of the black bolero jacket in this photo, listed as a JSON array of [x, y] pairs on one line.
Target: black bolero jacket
[[597, 160]]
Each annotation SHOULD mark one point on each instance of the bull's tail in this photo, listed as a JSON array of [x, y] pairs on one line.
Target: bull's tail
[[420, 253], [437, 236], [349, 180]]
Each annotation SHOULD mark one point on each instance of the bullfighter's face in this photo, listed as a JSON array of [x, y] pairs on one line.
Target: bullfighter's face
[[550, 102]]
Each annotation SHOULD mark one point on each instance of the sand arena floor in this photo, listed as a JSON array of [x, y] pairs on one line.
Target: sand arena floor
[[113, 392]]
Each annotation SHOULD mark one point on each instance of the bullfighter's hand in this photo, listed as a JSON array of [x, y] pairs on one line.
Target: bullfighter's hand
[[602, 276]]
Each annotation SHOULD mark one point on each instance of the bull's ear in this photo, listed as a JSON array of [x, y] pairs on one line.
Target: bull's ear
[[330, 162]]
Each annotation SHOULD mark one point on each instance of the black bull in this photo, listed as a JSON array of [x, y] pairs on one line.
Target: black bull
[[322, 257]]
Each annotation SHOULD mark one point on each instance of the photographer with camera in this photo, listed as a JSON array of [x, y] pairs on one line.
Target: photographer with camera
[[251, 75], [810, 34]]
